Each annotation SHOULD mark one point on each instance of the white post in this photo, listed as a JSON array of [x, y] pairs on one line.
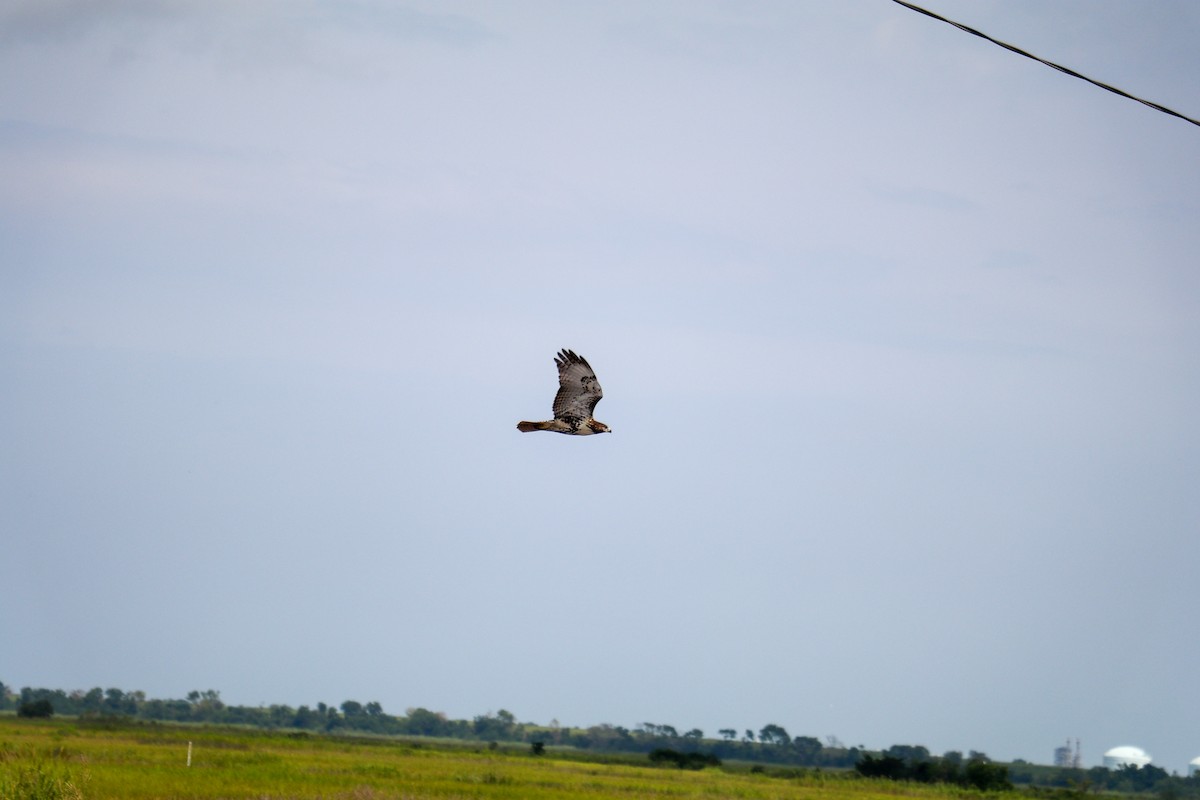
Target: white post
[[189, 754]]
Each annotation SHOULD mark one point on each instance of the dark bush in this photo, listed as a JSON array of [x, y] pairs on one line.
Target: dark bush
[[986, 776], [36, 708], [888, 767], [664, 755]]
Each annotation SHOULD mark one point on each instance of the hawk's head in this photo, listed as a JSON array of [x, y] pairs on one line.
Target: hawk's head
[[598, 427]]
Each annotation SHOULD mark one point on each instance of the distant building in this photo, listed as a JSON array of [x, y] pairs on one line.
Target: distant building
[[1067, 757], [1194, 766], [1126, 756]]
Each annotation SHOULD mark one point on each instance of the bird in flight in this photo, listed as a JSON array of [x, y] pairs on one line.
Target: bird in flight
[[578, 393]]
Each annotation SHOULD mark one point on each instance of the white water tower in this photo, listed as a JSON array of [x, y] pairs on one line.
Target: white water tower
[[1126, 757]]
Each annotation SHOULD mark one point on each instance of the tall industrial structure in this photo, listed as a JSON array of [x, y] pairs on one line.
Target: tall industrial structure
[[1067, 757]]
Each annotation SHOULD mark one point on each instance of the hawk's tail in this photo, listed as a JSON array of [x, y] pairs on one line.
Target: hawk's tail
[[526, 427]]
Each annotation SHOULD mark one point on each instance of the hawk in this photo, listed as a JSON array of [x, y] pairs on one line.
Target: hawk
[[578, 393]]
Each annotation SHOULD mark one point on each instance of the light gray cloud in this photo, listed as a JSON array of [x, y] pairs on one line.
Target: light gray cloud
[[68, 21]]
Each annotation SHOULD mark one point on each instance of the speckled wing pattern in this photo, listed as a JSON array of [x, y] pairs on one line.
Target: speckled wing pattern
[[578, 389]]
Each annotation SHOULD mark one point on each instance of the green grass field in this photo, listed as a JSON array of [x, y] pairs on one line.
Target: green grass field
[[67, 758]]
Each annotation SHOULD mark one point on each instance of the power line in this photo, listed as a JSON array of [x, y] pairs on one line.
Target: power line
[[1058, 67]]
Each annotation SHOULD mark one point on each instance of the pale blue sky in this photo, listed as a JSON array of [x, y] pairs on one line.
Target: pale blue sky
[[899, 334]]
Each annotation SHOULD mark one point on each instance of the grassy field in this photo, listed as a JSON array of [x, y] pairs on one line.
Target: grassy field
[[66, 758]]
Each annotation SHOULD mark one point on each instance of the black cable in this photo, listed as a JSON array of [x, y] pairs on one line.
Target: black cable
[[1058, 67]]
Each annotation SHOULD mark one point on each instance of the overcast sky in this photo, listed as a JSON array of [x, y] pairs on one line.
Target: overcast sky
[[899, 334]]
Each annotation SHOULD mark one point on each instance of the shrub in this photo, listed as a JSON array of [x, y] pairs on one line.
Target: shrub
[[986, 776], [889, 767], [36, 708], [664, 755]]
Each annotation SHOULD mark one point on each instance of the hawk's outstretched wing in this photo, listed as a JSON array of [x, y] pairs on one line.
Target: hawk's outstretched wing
[[578, 389]]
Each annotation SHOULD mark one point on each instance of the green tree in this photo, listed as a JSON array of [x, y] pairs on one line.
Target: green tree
[[280, 716], [774, 734], [93, 700], [423, 722], [1131, 778], [986, 776], [206, 705], [946, 770], [114, 701], [807, 748], [910, 754], [499, 726], [609, 738], [306, 718]]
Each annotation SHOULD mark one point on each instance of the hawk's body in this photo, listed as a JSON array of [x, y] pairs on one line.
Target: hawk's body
[[578, 393]]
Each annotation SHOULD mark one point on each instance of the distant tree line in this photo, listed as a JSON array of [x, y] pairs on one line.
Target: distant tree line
[[909, 763], [1128, 779], [770, 744]]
